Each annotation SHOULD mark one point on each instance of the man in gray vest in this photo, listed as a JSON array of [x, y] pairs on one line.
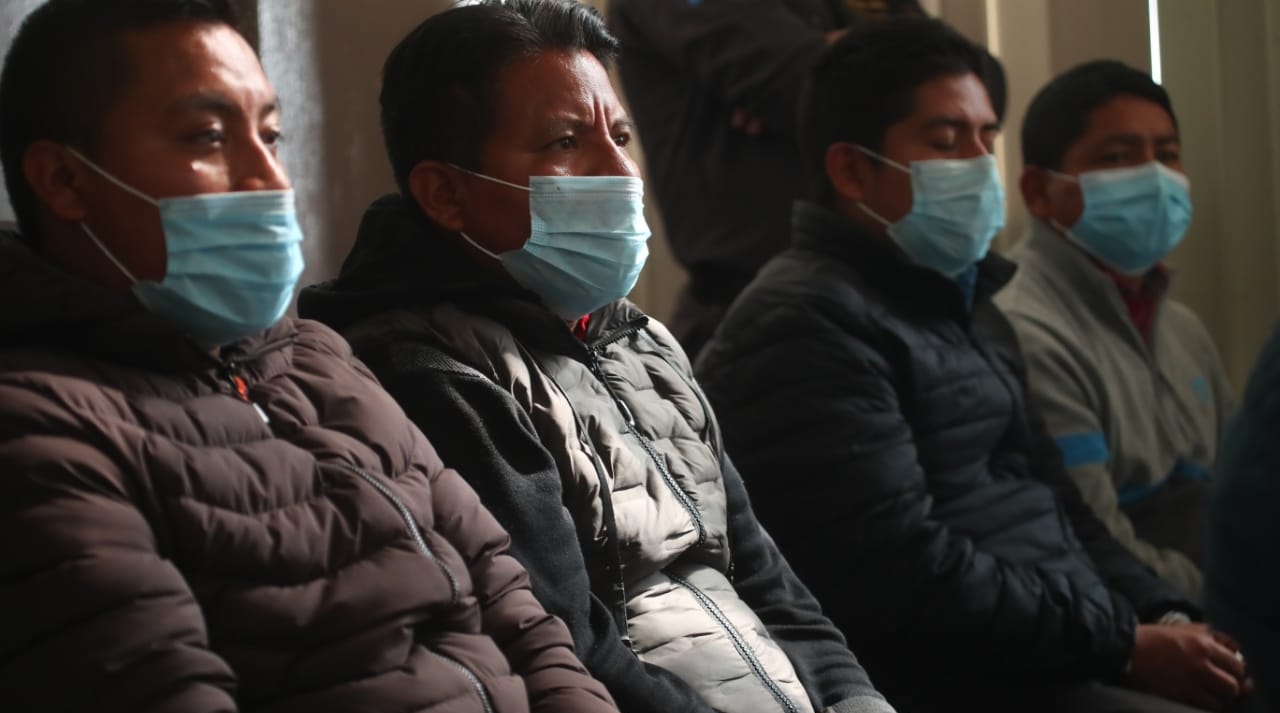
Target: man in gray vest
[[487, 295]]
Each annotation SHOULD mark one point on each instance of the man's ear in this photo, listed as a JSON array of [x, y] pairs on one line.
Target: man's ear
[[1034, 184], [57, 178], [441, 192], [849, 172]]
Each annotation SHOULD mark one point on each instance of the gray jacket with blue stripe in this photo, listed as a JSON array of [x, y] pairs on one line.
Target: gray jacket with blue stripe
[[1138, 420]]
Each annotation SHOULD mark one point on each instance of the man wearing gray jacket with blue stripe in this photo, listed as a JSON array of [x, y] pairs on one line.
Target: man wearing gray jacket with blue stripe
[[1128, 380]]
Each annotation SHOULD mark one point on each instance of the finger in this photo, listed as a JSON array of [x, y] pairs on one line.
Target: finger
[[755, 127], [738, 119], [1219, 683], [1227, 660], [1225, 640]]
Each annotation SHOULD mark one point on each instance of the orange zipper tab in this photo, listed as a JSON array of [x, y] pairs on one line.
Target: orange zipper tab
[[242, 388]]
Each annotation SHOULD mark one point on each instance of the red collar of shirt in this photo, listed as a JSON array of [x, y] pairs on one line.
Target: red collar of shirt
[[580, 328], [1143, 301]]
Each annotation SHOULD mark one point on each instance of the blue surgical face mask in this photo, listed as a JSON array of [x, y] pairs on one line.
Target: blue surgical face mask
[[957, 208], [1133, 217], [587, 244], [233, 260]]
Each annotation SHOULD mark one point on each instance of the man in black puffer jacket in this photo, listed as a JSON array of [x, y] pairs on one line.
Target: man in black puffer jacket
[[875, 401]]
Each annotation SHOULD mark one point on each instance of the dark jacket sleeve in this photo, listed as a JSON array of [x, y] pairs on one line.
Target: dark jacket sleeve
[[766, 583], [480, 430], [1243, 582], [536, 644], [750, 54], [811, 411], [93, 617], [1151, 596]]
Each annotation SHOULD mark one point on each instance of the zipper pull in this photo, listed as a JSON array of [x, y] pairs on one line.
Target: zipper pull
[[242, 390]]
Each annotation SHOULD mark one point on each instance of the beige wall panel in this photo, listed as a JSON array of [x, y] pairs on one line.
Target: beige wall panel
[[325, 58], [1191, 65]]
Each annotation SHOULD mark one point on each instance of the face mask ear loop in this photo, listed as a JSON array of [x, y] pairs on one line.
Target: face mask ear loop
[[1061, 175], [1053, 222], [889, 161], [478, 246], [885, 159], [491, 179], [119, 265], [121, 184], [873, 214]]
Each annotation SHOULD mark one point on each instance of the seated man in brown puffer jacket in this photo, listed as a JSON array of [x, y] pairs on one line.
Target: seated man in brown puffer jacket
[[204, 506]]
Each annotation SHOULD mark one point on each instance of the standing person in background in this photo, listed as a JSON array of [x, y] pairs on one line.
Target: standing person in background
[[1128, 380], [714, 86]]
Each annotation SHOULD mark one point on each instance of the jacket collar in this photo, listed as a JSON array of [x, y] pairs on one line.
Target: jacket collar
[[47, 308], [1057, 259], [886, 268]]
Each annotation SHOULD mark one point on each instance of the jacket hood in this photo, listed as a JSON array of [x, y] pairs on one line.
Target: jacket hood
[[400, 259]]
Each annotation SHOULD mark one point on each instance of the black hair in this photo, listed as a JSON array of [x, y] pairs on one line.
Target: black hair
[[1059, 114], [866, 82], [65, 69], [438, 83]]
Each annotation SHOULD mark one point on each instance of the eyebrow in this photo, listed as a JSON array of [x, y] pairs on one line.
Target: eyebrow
[[1130, 139], [557, 124], [216, 103], [958, 124]]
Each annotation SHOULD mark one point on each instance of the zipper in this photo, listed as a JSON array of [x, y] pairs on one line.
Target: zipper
[[425, 549], [645, 443], [230, 368], [738, 643], [471, 676], [618, 585], [712, 424], [411, 524]]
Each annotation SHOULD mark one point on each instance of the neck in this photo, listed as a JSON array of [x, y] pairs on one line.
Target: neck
[[1125, 282], [1128, 282]]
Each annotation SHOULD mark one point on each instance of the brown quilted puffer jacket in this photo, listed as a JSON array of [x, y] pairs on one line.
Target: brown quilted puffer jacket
[[260, 530]]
